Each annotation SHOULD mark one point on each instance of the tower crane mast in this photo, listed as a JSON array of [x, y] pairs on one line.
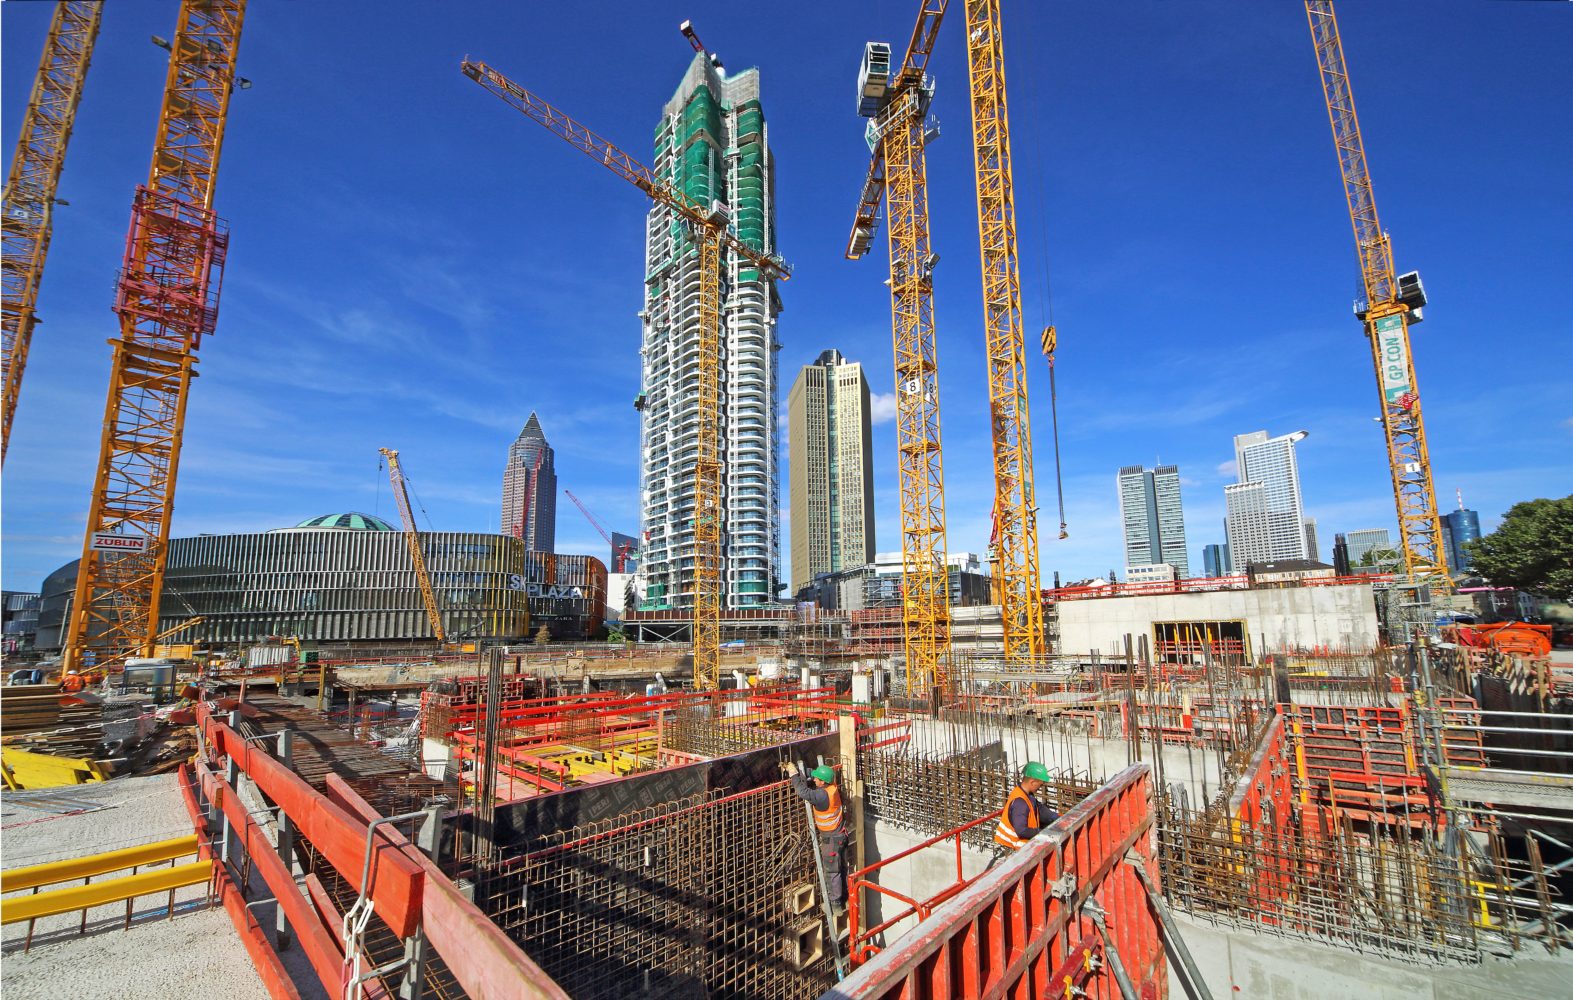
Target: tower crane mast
[[30, 188], [1015, 499], [167, 300], [1392, 304], [709, 230], [412, 539], [897, 174]]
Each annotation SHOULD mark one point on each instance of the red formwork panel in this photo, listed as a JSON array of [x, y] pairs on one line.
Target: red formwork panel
[[1011, 930]]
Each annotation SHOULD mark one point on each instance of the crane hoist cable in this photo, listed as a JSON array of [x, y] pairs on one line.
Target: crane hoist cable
[[1046, 304]]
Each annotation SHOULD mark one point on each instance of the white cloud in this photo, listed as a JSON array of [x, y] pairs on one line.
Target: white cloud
[[881, 407], [1227, 469]]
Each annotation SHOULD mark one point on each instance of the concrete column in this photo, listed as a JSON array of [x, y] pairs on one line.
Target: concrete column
[[286, 841], [852, 787]]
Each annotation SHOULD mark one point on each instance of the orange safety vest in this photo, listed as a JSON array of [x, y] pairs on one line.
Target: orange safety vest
[[1005, 833], [828, 819]]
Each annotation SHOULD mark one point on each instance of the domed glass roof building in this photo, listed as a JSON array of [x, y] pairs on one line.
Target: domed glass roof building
[[347, 578], [353, 520]]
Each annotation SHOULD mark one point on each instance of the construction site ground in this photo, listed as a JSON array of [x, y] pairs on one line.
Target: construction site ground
[[1238, 962], [195, 954]]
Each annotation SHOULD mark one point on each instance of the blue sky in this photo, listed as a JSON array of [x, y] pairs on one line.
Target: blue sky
[[414, 265]]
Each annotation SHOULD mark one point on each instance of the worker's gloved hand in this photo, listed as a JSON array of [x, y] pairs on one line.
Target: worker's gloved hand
[[788, 767]]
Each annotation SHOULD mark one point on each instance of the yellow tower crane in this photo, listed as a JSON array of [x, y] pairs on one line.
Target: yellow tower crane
[[1015, 501], [412, 538], [898, 101], [708, 231], [167, 300], [1392, 304], [30, 188]]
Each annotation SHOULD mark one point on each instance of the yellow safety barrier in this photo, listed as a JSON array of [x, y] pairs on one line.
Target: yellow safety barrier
[[82, 897], [72, 869]]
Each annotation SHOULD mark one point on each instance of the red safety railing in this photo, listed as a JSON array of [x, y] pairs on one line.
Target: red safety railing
[[861, 944], [1032, 921]]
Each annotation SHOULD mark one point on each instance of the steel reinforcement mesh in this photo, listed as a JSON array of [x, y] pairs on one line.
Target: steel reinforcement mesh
[[690, 898], [930, 793]]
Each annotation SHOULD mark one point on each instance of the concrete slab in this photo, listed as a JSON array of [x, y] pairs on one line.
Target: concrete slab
[[1240, 962]]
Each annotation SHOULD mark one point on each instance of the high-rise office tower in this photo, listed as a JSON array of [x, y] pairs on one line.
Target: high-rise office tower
[[1215, 559], [1266, 518], [1341, 555], [711, 144], [1153, 518], [1312, 549], [1360, 543], [1246, 523], [529, 489], [1460, 526], [831, 469]]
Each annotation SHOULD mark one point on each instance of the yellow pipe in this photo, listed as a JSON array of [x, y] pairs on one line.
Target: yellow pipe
[[72, 869], [81, 897]]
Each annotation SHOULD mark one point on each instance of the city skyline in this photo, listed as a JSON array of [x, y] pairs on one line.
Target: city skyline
[[502, 273]]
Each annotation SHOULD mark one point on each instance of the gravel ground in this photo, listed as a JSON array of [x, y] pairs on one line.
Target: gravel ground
[[197, 953]]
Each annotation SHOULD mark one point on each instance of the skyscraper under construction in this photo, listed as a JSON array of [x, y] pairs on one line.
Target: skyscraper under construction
[[710, 144]]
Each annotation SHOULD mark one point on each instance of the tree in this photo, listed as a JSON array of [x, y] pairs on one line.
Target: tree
[[543, 637], [1532, 549]]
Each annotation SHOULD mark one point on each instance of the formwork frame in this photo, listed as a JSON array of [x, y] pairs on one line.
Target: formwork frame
[[1012, 930]]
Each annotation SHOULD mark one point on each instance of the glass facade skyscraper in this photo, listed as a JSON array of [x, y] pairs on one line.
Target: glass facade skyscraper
[[1265, 514], [711, 144], [1460, 526], [529, 489], [1153, 518], [831, 469]]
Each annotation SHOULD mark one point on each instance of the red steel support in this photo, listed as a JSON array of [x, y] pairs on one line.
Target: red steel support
[[264, 958], [481, 957], [308, 928], [396, 881], [1012, 929]]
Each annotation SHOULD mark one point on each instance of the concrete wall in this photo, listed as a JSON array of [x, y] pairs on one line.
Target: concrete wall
[[1242, 963], [920, 876], [1341, 617]]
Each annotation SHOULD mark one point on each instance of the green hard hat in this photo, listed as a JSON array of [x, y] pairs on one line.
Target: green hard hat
[[1035, 770], [825, 773]]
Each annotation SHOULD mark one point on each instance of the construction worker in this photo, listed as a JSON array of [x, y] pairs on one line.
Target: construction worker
[[818, 788], [1023, 815], [72, 683]]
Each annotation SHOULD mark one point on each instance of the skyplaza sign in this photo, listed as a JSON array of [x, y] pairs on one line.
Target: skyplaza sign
[[548, 591]]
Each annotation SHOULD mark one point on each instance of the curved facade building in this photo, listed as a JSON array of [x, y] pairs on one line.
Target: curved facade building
[[344, 578]]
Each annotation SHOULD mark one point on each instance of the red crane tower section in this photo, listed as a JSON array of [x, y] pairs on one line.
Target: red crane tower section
[[167, 301]]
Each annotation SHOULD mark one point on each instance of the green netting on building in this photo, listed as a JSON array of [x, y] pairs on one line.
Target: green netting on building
[[748, 200], [696, 164]]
